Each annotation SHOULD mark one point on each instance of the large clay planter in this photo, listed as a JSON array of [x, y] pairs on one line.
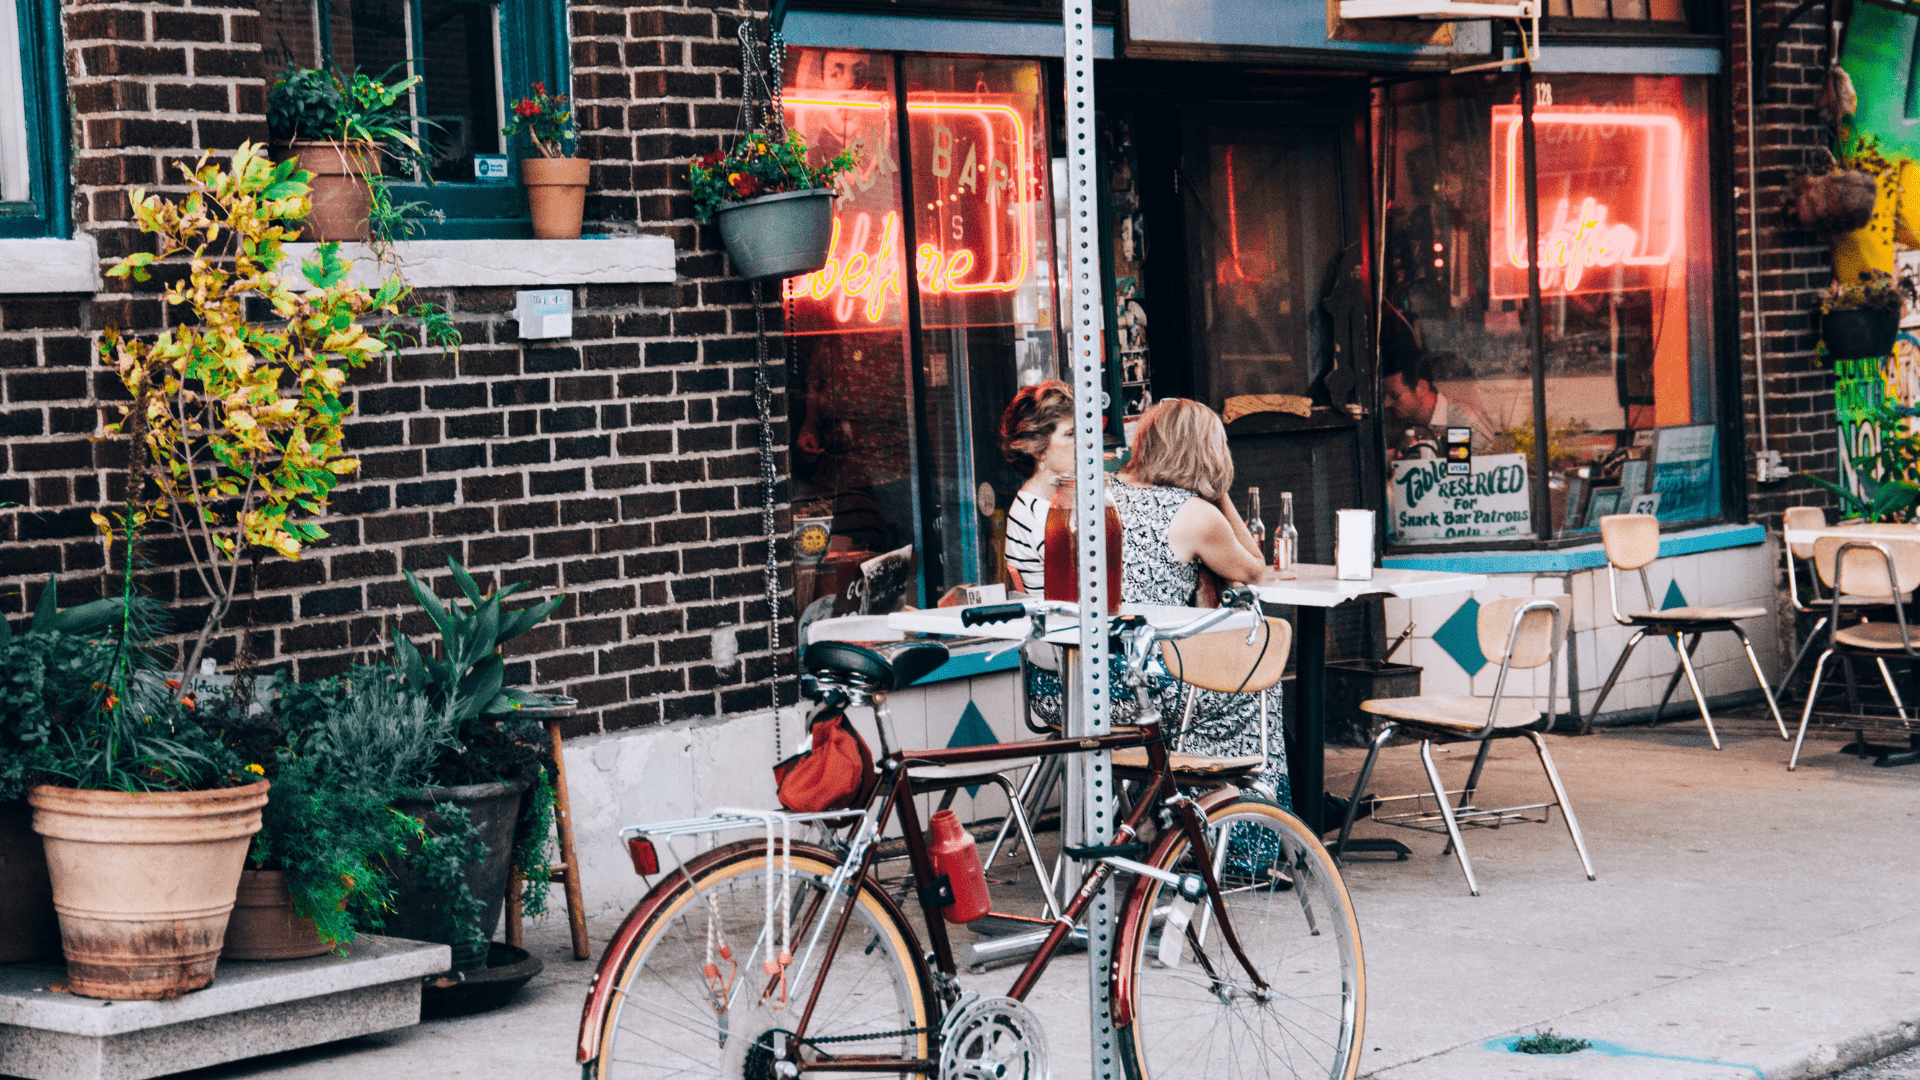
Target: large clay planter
[[778, 236], [144, 882], [264, 925], [29, 929], [340, 196], [494, 808], [556, 195]]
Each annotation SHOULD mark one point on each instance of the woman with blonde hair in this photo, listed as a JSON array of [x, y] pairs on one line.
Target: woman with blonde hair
[[1175, 517]]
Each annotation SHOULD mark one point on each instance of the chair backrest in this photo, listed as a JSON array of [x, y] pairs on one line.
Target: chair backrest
[[1803, 517], [1632, 540], [1224, 662], [1863, 569], [1533, 642]]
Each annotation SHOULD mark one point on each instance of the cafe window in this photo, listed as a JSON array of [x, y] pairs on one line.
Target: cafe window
[[467, 77], [897, 396], [33, 128], [1624, 251]]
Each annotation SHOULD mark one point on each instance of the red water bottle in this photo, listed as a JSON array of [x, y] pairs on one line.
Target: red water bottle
[[956, 855]]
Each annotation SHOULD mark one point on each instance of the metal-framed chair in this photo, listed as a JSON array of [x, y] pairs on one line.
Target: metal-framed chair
[[1228, 662], [1632, 541], [1526, 632], [1877, 570]]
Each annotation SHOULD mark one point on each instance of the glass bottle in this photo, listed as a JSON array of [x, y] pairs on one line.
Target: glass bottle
[[1254, 525], [1062, 558], [1286, 538]]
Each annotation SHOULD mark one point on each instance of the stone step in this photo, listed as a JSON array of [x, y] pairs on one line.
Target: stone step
[[254, 1007]]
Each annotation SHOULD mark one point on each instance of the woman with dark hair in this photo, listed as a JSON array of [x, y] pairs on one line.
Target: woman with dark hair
[[1036, 438]]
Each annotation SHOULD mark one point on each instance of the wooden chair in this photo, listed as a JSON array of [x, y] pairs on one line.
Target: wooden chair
[[1877, 570], [1632, 541], [565, 872], [1524, 632], [1226, 662]]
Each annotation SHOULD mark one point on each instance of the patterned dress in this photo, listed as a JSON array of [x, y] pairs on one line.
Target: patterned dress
[[1226, 725]]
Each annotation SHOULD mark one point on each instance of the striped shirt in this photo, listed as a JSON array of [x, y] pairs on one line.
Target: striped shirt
[[1026, 535]]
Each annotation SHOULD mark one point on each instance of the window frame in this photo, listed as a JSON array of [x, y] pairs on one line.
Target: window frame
[[493, 210], [45, 212]]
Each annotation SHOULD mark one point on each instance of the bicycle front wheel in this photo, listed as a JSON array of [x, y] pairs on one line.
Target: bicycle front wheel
[[669, 1018], [1203, 1016]]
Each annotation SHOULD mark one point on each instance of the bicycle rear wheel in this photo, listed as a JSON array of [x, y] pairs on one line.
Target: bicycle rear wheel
[[664, 1022], [1293, 918]]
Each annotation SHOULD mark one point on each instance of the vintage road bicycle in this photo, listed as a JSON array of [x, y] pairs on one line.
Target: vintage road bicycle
[[1236, 954]]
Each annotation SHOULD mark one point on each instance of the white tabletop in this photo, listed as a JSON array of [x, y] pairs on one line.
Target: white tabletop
[[1061, 629], [1858, 530], [1315, 585]]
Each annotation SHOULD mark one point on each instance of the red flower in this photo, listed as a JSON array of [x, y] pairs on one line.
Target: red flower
[[540, 88], [526, 107], [747, 186]]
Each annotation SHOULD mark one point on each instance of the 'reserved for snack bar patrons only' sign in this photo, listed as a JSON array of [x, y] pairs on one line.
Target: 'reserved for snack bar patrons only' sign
[[1492, 502]]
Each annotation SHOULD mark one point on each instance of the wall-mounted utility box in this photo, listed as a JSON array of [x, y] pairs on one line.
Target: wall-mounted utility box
[[546, 313]]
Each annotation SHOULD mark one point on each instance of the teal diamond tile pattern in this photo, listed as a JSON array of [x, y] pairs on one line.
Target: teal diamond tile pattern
[[1674, 598], [1459, 636], [972, 730]]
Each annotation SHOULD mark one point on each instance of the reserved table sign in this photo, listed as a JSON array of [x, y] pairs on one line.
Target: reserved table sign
[[1493, 501]]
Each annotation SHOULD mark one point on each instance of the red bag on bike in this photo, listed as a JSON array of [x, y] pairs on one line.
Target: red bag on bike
[[832, 771]]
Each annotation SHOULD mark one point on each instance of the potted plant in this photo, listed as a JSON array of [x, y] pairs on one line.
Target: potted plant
[[145, 818], [1889, 478], [1860, 320], [495, 757], [236, 426], [774, 209], [344, 130], [47, 672], [318, 871], [556, 181]]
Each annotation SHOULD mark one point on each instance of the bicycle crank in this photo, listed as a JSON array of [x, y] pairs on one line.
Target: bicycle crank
[[994, 1038]]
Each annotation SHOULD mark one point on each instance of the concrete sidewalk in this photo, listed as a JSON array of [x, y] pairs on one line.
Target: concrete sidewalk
[[1747, 922]]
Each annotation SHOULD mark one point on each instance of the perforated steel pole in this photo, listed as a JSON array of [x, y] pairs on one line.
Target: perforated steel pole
[[1090, 779]]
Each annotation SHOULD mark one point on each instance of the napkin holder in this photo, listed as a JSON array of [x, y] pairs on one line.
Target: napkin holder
[[1353, 545]]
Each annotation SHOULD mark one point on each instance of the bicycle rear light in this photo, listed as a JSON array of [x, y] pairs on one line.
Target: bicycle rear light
[[646, 861]]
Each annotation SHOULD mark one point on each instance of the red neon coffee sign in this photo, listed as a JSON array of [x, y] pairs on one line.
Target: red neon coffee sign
[[1612, 194], [975, 154]]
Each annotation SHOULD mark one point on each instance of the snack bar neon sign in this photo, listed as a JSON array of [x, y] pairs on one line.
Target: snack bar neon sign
[[863, 264], [1612, 191]]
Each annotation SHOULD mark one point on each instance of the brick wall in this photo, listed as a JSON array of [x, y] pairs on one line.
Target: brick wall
[[619, 467], [1794, 264]]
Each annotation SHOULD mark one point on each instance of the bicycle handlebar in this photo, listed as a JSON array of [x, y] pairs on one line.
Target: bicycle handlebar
[[1230, 601]]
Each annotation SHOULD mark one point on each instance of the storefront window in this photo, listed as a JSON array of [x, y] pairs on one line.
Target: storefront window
[[1625, 287], [903, 473]]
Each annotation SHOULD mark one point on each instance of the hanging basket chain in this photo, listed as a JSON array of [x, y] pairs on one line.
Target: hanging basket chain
[[760, 83]]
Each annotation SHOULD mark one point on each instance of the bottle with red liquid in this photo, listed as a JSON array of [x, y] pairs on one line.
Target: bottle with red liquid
[[1063, 556], [955, 854]]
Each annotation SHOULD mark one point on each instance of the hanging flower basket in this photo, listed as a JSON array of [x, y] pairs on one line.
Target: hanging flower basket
[[1859, 333], [778, 236]]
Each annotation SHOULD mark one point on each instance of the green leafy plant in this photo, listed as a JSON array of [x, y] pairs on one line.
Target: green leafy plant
[[1546, 1042], [1889, 477], [238, 424], [547, 120], [355, 744], [1875, 289], [760, 165], [312, 105]]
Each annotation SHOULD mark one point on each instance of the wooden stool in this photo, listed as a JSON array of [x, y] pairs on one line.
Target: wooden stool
[[564, 872]]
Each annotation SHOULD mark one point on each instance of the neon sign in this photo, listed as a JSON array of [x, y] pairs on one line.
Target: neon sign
[[1615, 182], [975, 181]]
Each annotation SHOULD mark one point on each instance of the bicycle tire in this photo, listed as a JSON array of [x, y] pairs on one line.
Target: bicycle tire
[[660, 1023], [1180, 1025]]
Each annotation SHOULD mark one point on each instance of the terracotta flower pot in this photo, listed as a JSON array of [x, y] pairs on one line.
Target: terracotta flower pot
[[29, 929], [778, 236], [556, 195], [144, 882], [264, 925], [340, 196]]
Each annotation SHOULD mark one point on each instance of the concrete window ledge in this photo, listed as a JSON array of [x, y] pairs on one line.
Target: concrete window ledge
[[440, 264], [50, 266]]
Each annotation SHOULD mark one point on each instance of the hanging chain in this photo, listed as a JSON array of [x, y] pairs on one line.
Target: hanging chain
[[763, 406], [760, 83]]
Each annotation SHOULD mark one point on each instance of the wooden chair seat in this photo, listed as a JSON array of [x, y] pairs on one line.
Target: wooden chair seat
[[1877, 636], [1453, 712], [1134, 759], [1729, 613]]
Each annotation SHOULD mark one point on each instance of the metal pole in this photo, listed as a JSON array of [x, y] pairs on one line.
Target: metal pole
[[1542, 499], [1090, 777]]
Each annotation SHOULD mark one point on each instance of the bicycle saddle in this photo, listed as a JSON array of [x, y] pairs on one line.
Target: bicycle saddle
[[893, 665]]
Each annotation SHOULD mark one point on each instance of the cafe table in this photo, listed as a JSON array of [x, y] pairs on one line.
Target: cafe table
[[1313, 591], [1856, 530]]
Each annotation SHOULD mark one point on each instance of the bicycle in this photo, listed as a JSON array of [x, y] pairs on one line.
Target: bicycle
[[1236, 948]]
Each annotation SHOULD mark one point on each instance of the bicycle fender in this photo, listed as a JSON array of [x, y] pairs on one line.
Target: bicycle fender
[[600, 990], [1121, 987]]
